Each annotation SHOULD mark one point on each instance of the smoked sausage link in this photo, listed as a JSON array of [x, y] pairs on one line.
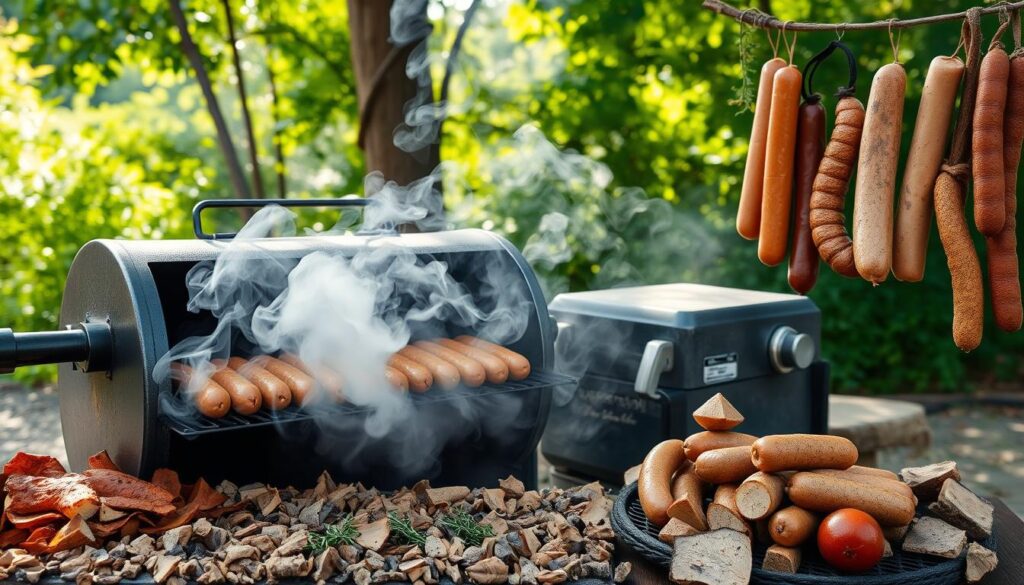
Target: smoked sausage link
[[810, 147], [797, 451], [495, 367], [828, 199], [777, 197], [748, 217], [987, 143], [931, 130], [791, 526], [698, 443], [821, 493], [654, 486], [245, 396], [962, 259], [276, 394], [211, 399], [876, 174], [518, 365], [728, 465]]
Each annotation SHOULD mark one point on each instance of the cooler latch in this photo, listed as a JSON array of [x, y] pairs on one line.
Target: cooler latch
[[658, 358]]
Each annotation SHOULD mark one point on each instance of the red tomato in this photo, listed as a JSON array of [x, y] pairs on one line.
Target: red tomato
[[851, 540]]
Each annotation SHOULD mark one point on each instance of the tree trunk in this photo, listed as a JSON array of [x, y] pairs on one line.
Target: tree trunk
[[243, 98], [370, 27], [227, 147]]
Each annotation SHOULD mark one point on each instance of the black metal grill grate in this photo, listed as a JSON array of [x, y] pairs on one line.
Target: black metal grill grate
[[195, 424]]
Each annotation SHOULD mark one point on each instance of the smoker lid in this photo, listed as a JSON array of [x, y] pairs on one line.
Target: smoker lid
[[680, 305]]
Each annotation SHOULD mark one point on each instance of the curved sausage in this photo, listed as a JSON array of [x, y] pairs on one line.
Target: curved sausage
[[987, 143], [445, 374], [810, 147], [748, 216], [495, 368], [245, 396], [654, 487], [518, 365], [396, 379], [325, 377], [728, 465], [931, 131], [418, 376], [777, 199], [876, 174], [698, 443], [962, 260], [820, 493], [210, 399], [828, 200], [470, 370], [276, 394], [791, 526], [687, 497], [301, 384], [797, 451]]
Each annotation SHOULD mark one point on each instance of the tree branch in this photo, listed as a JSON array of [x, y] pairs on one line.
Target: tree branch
[[283, 29], [279, 166], [227, 147], [254, 155], [759, 19]]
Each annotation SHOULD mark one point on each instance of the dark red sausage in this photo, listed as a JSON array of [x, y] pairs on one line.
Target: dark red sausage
[[810, 147]]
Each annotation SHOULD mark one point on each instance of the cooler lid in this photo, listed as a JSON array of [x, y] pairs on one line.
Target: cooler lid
[[680, 305]]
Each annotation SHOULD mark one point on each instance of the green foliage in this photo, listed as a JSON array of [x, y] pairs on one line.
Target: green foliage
[[345, 532], [402, 531], [460, 523]]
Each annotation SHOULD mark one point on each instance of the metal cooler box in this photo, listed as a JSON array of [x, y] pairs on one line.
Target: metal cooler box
[[648, 356]]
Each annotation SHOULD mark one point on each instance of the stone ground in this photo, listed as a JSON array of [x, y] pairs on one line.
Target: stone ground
[[986, 441]]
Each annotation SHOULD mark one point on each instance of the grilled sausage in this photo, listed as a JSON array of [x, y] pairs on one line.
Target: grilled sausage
[[497, 371], [245, 396], [698, 443], [828, 222], [876, 174], [728, 465], [211, 399], [914, 213], [820, 493], [418, 376], [794, 452], [396, 379], [325, 377], [777, 199], [276, 394], [748, 216], [470, 370], [518, 365], [895, 485], [792, 526], [301, 384], [987, 143], [654, 487], [446, 375], [810, 147]]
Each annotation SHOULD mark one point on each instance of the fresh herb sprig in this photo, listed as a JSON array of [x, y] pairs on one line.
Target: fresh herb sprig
[[403, 531], [461, 524], [332, 535]]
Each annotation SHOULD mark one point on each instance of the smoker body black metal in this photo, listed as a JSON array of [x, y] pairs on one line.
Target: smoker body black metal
[[647, 357], [125, 304]]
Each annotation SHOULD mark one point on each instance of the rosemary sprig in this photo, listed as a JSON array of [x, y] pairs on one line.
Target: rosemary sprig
[[745, 95], [403, 531], [332, 535], [461, 524]]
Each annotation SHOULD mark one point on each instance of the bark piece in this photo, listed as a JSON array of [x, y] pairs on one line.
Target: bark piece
[[932, 536], [895, 534], [781, 559], [446, 496], [717, 414], [980, 562], [759, 495], [674, 529], [489, 571], [373, 535], [514, 488], [722, 512], [962, 508], [926, 481], [720, 557], [622, 571]]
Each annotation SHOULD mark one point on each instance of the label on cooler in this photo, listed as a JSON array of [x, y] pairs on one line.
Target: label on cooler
[[721, 367]]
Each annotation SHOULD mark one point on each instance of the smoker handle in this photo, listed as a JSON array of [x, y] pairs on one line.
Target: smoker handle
[[89, 345], [197, 211]]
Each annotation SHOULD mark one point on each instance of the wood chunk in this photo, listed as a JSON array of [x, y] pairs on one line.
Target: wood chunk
[[781, 559], [980, 562], [895, 533], [722, 512], [962, 508], [759, 495], [446, 496], [721, 557], [373, 535], [932, 536], [717, 414], [688, 496], [887, 551], [674, 529], [926, 481], [631, 475]]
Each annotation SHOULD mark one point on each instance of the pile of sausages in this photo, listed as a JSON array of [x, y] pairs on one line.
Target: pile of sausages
[[246, 386], [788, 151], [753, 479]]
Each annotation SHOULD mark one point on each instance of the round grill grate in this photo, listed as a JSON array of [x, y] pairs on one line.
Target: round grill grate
[[633, 528]]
